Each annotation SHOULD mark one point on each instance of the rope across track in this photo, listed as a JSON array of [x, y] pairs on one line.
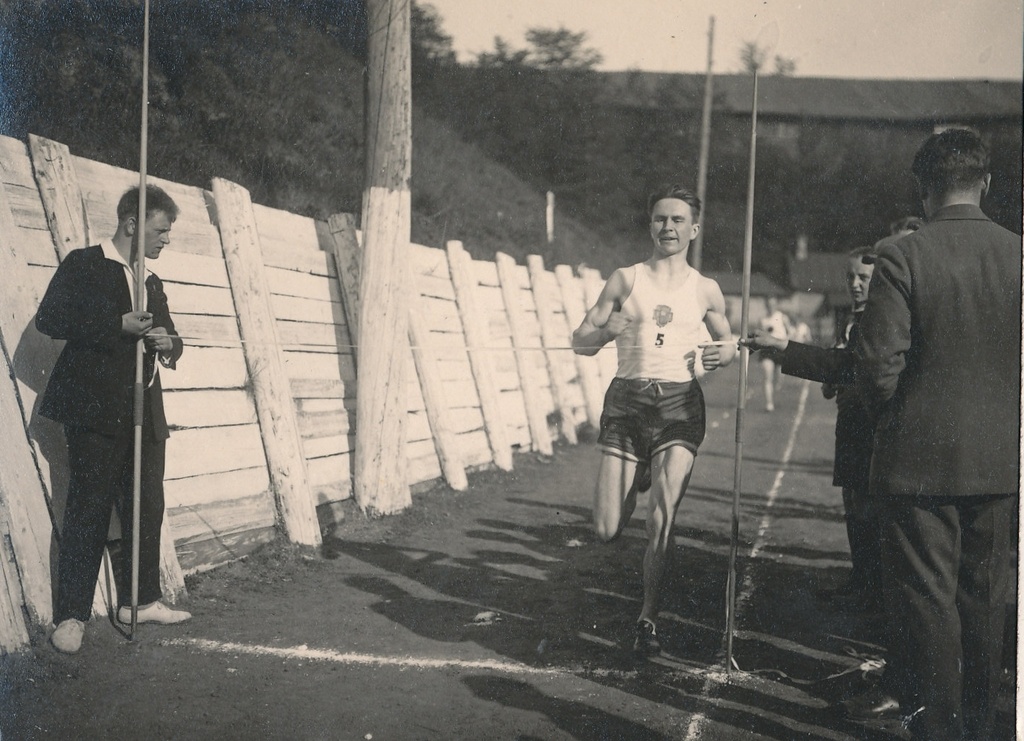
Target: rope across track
[[216, 341]]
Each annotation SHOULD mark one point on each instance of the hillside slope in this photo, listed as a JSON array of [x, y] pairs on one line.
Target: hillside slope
[[264, 96]]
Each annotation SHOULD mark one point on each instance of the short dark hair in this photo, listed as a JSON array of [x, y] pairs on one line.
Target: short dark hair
[[156, 200], [867, 250], [679, 193], [906, 224], [953, 160]]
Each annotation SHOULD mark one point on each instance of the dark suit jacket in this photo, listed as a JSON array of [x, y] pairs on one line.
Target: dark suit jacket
[[940, 351], [855, 420], [92, 382]]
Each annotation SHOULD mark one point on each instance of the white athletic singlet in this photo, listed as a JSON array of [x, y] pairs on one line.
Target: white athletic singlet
[[660, 342]]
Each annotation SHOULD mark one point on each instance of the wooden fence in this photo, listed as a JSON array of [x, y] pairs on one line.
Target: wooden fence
[[262, 405]]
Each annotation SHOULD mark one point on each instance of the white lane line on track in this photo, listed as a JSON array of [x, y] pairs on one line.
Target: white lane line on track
[[322, 654], [693, 731]]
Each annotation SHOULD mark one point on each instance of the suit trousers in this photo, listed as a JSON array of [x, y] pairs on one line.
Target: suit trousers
[[864, 534], [101, 478], [946, 571]]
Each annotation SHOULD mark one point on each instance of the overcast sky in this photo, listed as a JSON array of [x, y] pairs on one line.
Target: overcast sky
[[939, 39]]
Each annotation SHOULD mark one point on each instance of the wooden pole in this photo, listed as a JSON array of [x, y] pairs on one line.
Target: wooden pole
[[741, 396], [271, 389], [480, 359], [705, 141], [551, 339], [540, 436], [435, 402], [549, 214], [140, 305], [381, 484], [586, 367]]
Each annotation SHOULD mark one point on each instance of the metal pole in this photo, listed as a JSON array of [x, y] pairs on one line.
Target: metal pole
[[705, 143], [741, 396], [140, 304]]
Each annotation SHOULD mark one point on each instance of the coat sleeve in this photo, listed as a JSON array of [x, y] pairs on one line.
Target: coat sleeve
[[885, 327], [827, 365], [73, 308], [158, 307]]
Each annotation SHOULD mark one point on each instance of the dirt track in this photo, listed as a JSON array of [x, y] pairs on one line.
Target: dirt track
[[495, 614]]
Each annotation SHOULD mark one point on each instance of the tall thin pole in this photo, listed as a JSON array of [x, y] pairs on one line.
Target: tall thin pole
[[705, 142], [741, 396], [140, 305]]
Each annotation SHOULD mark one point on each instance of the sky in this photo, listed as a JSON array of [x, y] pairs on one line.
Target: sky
[[880, 39]]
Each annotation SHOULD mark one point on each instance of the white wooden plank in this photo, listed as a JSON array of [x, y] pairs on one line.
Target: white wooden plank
[[285, 282], [319, 366], [190, 299], [207, 367], [175, 266], [205, 450], [307, 310], [209, 408], [207, 488]]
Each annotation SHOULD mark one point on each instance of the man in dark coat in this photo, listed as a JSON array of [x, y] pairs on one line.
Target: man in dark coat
[[939, 349], [89, 304]]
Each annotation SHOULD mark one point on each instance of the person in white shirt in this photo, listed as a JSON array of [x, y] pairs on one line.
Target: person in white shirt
[[653, 420], [776, 324]]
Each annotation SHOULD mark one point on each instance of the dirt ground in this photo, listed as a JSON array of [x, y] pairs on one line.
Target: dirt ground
[[493, 613]]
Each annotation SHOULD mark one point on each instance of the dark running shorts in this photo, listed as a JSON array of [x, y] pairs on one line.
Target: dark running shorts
[[642, 417]]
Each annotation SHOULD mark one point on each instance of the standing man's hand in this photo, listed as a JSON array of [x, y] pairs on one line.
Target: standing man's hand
[[158, 340], [136, 323], [761, 339]]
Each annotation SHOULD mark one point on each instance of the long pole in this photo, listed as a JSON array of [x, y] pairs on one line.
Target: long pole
[[741, 396], [705, 143], [140, 305], [381, 480]]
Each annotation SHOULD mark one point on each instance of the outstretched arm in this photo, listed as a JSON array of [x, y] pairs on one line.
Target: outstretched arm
[[605, 320]]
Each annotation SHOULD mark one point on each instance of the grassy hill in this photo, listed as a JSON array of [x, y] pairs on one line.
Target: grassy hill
[[266, 96]]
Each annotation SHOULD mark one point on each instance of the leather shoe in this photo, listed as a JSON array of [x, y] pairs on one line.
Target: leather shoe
[[155, 612], [874, 704]]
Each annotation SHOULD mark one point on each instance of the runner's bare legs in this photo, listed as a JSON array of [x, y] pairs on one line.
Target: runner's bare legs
[[670, 475], [615, 501], [615, 497]]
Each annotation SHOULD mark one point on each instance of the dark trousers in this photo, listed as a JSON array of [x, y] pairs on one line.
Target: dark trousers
[[946, 578], [864, 533], [101, 471]]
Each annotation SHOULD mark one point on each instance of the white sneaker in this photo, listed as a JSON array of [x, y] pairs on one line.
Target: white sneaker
[[157, 612], [67, 638]]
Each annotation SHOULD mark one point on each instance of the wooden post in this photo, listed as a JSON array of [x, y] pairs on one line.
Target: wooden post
[[381, 482], [435, 403], [541, 436], [345, 249], [480, 361], [607, 357], [586, 367], [21, 489], [61, 195], [549, 214], [270, 386], [555, 344], [13, 632]]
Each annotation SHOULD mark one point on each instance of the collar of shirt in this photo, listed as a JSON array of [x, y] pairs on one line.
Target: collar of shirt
[[110, 252]]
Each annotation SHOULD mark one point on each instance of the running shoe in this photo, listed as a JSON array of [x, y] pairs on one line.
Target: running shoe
[[646, 642]]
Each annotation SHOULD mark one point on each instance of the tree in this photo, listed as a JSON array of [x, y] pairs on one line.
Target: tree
[[784, 66], [752, 57], [430, 44], [560, 48]]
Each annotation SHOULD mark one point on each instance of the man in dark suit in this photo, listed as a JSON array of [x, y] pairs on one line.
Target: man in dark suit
[[939, 353], [89, 304]]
